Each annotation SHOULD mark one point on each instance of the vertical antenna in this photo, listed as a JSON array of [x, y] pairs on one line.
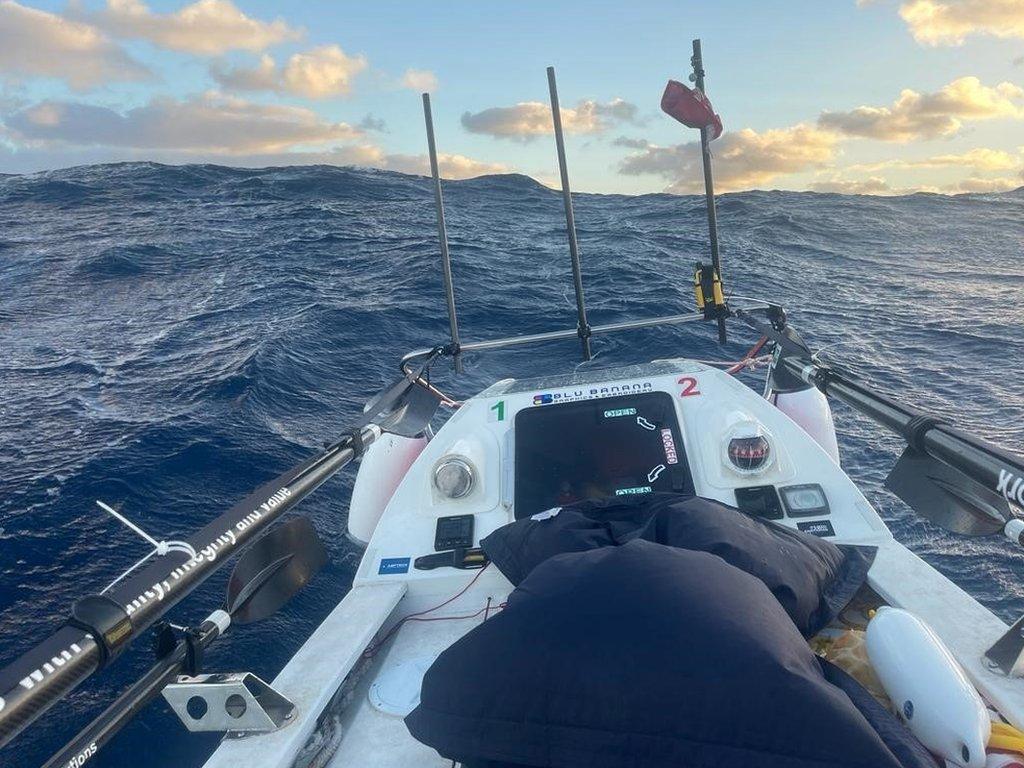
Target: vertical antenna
[[442, 233], [582, 328], [709, 183]]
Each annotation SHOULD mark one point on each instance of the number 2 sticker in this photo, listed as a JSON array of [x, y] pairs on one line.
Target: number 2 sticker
[[689, 385]]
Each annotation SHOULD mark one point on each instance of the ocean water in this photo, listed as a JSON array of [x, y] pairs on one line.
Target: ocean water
[[170, 337]]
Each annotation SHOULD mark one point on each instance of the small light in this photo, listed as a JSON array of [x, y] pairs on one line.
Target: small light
[[453, 477], [748, 448], [805, 500]]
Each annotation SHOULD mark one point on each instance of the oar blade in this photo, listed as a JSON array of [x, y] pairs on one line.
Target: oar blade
[[946, 496], [273, 569], [411, 415]]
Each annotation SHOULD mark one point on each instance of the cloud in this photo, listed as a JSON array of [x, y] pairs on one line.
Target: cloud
[[31, 159], [974, 184], [419, 80], [318, 73], [205, 27], [950, 22], [980, 159], [929, 115], [626, 141], [35, 43], [449, 165], [743, 159], [371, 123], [527, 120], [874, 185], [209, 123]]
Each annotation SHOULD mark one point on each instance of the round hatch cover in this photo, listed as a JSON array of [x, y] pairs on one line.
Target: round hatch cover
[[396, 691]]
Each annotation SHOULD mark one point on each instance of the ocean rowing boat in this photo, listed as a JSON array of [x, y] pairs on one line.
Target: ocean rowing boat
[[523, 449]]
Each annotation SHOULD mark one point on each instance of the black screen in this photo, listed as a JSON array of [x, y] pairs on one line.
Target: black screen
[[615, 446]]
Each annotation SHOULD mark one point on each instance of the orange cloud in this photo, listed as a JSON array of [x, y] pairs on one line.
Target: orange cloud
[[744, 159], [318, 73], [950, 22], [940, 114]]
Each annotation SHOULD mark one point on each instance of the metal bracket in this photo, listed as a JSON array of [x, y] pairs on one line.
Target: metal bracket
[[238, 703], [1007, 655]]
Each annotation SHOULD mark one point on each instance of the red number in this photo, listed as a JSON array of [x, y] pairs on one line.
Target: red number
[[689, 386]]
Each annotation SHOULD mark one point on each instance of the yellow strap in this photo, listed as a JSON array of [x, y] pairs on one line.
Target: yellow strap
[[1005, 741], [1006, 729]]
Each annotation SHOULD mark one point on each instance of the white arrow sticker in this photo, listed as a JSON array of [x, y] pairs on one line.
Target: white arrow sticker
[[653, 474]]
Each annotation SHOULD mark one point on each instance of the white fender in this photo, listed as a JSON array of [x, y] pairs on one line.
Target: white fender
[[380, 471], [810, 409], [929, 690]]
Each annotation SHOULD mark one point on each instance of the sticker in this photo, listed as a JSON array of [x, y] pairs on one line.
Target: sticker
[[817, 527], [689, 386], [653, 474], [394, 565], [645, 423], [634, 491], [1011, 492], [620, 412], [593, 393], [497, 411], [547, 514], [670, 446]]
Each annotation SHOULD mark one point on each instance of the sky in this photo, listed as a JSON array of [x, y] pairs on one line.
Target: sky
[[850, 96]]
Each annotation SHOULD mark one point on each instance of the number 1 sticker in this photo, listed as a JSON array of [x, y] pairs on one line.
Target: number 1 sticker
[[497, 411]]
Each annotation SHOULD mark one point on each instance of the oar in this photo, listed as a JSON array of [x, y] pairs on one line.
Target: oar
[[102, 626], [270, 572], [951, 499], [957, 481]]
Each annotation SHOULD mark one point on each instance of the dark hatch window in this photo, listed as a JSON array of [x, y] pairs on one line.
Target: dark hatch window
[[614, 446]]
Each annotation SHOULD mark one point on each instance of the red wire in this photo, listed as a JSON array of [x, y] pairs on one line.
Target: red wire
[[371, 650]]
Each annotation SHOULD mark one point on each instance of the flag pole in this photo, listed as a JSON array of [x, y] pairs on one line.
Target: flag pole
[[709, 183]]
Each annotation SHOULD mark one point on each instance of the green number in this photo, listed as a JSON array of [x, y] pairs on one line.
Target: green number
[[499, 408]]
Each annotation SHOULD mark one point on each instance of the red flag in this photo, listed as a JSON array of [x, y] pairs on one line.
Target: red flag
[[691, 108]]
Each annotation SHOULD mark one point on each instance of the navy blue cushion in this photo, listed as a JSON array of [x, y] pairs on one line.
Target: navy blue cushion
[[813, 579], [641, 655]]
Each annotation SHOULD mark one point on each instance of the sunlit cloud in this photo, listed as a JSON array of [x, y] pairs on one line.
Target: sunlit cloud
[[29, 159], [527, 120], [744, 159], [451, 166], [950, 22], [974, 184], [205, 27], [874, 185], [211, 123], [979, 159], [319, 73], [419, 80], [35, 43], [934, 115]]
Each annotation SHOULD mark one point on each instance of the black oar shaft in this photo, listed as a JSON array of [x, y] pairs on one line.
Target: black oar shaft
[[44, 675], [996, 469]]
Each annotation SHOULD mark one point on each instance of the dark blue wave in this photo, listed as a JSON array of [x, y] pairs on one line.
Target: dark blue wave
[[174, 335]]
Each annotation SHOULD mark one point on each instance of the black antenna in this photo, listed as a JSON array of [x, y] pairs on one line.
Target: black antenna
[[709, 183], [582, 328], [442, 234]]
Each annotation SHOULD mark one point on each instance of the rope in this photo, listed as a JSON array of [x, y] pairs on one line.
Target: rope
[[159, 547]]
